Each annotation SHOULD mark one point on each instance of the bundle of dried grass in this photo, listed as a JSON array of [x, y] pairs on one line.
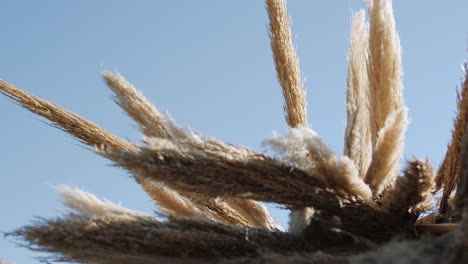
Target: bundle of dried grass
[[144, 113], [89, 205], [345, 209]]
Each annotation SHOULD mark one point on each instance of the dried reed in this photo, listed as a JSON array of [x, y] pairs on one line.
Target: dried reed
[[85, 131], [447, 175], [287, 64], [358, 145], [387, 108], [151, 122]]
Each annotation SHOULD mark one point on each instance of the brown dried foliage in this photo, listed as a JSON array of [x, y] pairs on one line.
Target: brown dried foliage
[[413, 192], [83, 239]]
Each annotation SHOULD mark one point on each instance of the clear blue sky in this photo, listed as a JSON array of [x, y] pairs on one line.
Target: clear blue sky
[[209, 64]]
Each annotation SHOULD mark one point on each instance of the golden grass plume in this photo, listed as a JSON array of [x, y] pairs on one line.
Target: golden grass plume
[[357, 134], [287, 64], [387, 112]]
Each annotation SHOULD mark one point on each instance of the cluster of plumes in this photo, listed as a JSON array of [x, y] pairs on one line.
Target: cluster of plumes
[[344, 208]]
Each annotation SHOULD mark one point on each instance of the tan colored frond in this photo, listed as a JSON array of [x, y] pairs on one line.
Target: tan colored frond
[[89, 205], [384, 168], [287, 64], [358, 145], [384, 66], [151, 122], [385, 96], [413, 192], [83, 130], [447, 175]]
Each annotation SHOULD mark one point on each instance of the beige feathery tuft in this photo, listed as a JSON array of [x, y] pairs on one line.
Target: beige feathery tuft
[[358, 145], [387, 112], [287, 64], [89, 205], [302, 146], [384, 169], [447, 175], [151, 122]]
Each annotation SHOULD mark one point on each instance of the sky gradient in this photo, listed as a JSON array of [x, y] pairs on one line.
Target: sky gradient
[[209, 64]]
